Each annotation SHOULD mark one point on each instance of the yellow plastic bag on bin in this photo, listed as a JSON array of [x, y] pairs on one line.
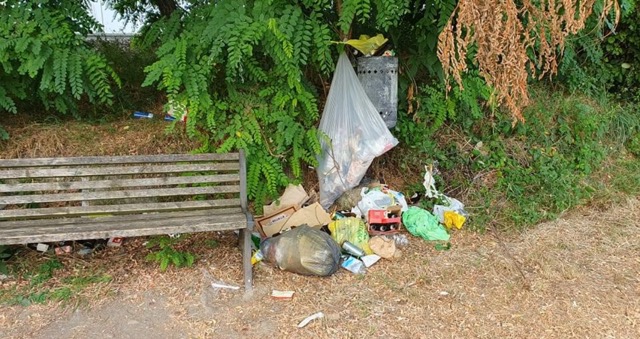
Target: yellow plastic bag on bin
[[352, 230], [451, 218]]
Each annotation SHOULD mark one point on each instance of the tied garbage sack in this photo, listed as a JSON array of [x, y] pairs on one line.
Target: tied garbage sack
[[303, 250], [421, 223], [355, 135], [352, 230]]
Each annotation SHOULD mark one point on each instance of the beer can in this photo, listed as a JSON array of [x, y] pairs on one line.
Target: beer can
[[353, 249]]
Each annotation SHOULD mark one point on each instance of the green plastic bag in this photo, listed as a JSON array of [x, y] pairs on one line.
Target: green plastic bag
[[423, 224]]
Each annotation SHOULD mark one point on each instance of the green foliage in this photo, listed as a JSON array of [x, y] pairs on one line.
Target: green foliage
[[128, 61], [434, 107], [594, 63], [247, 72], [238, 69], [167, 254], [518, 176], [43, 55]]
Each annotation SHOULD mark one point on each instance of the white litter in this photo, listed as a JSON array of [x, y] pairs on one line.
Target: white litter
[[310, 318]]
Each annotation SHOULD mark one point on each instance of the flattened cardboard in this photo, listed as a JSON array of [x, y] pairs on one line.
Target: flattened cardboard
[[271, 224], [312, 215]]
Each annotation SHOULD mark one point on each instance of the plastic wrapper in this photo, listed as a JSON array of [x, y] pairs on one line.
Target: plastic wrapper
[[303, 250], [355, 135]]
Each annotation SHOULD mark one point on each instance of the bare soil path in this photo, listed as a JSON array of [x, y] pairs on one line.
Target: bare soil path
[[575, 277]]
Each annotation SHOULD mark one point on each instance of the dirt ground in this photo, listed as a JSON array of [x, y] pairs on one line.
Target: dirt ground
[[574, 277]]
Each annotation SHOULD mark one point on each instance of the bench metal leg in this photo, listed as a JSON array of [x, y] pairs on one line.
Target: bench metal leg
[[245, 238]]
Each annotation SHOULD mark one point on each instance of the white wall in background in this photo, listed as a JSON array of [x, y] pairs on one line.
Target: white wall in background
[[107, 17]]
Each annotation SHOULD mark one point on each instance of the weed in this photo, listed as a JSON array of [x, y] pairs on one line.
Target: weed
[[60, 294], [633, 145], [167, 254], [212, 243], [45, 271]]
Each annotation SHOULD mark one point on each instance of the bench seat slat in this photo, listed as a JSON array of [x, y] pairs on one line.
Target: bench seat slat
[[73, 185], [103, 195], [119, 170], [207, 213], [34, 226], [126, 159], [115, 209], [120, 227]]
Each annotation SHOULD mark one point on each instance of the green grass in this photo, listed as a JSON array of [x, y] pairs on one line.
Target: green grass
[[626, 176], [41, 283]]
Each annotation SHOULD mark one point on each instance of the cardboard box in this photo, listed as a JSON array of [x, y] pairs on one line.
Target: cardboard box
[[271, 224], [313, 215], [292, 196]]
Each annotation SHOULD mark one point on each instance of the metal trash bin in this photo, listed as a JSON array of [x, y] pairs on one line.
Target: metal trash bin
[[379, 78]]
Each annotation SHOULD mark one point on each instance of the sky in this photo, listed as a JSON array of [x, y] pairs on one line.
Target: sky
[[107, 18]]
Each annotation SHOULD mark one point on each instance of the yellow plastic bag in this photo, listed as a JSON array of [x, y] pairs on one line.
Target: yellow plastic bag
[[451, 218], [352, 230]]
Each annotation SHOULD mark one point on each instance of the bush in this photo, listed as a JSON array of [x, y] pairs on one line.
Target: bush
[[595, 63], [518, 176]]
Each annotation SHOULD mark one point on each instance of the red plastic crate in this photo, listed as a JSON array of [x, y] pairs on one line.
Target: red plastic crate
[[380, 223]]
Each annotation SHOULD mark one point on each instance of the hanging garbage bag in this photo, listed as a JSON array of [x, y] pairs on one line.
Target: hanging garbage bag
[[421, 223], [355, 135], [303, 250]]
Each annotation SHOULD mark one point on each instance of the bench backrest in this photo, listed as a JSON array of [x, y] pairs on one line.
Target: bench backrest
[[95, 186]]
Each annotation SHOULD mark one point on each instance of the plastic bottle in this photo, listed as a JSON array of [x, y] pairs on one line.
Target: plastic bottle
[[354, 265]]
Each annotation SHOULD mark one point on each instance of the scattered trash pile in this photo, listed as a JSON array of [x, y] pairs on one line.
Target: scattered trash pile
[[367, 224]]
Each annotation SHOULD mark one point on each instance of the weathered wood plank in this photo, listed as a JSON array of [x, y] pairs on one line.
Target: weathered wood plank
[[243, 181], [117, 209], [108, 195], [110, 160], [117, 183], [176, 216], [115, 170], [108, 229]]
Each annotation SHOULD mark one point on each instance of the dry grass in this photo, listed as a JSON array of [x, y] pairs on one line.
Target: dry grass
[[579, 278], [124, 137]]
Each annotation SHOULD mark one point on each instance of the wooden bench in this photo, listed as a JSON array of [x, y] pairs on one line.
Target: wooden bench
[[58, 199]]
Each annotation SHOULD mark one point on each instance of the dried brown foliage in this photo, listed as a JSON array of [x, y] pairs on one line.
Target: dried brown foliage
[[505, 32]]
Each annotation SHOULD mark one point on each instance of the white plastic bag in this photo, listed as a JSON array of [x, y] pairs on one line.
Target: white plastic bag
[[375, 200], [454, 205], [357, 134], [378, 200]]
